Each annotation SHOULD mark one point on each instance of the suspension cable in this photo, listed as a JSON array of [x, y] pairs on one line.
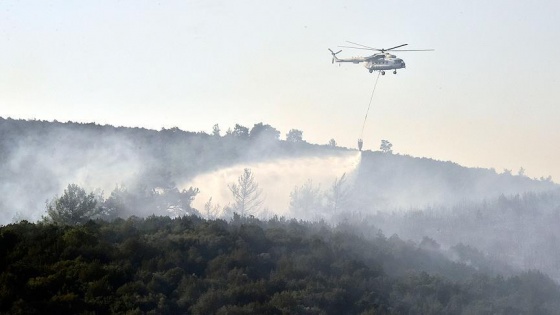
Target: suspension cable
[[360, 141], [369, 105]]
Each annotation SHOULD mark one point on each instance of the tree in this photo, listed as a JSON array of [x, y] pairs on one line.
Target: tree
[[216, 130], [266, 132], [115, 206], [294, 136], [332, 143], [386, 146], [177, 202], [246, 194], [546, 179], [74, 207], [305, 201], [210, 210], [338, 195], [240, 132]]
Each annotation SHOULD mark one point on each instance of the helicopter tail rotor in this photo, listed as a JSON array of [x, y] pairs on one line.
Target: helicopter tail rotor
[[334, 55]]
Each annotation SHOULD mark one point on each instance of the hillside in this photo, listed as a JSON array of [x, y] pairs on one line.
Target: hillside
[[189, 265], [406, 182], [120, 231], [38, 159], [519, 230]]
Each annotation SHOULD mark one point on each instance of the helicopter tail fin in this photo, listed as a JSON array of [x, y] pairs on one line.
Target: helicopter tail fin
[[334, 55]]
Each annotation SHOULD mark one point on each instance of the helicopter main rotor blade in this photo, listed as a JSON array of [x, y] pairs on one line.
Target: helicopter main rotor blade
[[413, 50], [358, 48], [395, 47], [362, 45]]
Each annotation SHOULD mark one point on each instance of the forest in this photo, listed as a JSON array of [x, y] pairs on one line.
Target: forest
[[190, 265], [94, 220]]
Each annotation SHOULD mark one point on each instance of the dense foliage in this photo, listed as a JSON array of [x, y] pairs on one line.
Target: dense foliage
[[188, 265], [120, 263], [520, 230]]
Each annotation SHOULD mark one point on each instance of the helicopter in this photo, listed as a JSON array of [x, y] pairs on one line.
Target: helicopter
[[377, 62]]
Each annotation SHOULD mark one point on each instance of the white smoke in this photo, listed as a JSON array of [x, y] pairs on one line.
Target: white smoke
[[276, 178]]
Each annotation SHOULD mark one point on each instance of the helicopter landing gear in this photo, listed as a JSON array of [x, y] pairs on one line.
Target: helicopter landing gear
[[382, 72], [394, 71]]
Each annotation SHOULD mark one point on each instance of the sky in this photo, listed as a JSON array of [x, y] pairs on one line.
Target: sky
[[487, 96]]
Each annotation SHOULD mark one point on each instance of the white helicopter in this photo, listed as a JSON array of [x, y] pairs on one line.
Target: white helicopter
[[376, 62]]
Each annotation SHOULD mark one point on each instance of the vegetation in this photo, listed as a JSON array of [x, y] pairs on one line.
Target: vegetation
[[519, 230], [306, 201], [393, 180], [76, 206], [246, 194], [39, 158], [386, 146], [294, 135], [189, 265], [73, 207], [145, 249]]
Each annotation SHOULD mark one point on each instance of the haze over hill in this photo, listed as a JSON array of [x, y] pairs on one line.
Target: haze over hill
[[40, 158], [497, 223], [461, 218], [474, 100]]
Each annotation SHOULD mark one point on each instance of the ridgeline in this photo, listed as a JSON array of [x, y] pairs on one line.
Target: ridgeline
[[471, 241]]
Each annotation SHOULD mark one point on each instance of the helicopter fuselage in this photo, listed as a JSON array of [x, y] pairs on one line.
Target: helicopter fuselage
[[384, 62], [376, 62]]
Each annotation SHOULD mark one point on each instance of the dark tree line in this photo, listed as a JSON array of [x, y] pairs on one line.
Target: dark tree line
[[94, 261], [188, 265], [75, 206]]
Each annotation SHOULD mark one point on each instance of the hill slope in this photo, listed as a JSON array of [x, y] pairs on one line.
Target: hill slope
[[407, 182], [189, 265], [38, 159]]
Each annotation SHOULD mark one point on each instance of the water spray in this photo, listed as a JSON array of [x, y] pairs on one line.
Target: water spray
[[277, 179]]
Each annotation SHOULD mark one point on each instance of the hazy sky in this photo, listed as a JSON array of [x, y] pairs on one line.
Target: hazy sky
[[487, 96]]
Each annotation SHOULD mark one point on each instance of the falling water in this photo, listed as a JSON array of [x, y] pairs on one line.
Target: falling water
[[276, 178]]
